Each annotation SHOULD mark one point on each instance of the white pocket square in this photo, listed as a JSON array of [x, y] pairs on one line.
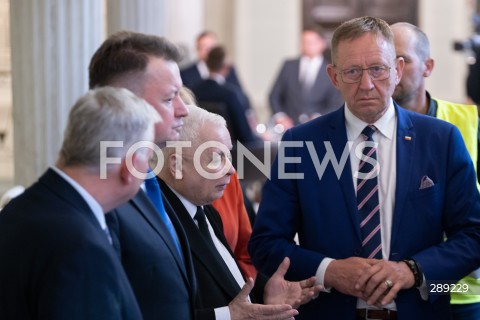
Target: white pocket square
[[426, 182]]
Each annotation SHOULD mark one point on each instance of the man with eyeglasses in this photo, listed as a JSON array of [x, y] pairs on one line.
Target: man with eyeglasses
[[371, 223]]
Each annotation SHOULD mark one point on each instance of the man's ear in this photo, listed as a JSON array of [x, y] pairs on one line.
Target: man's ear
[[175, 166], [125, 175], [333, 75], [429, 64]]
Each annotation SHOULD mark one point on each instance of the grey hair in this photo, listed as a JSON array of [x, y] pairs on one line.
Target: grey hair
[[192, 125], [355, 28], [105, 114], [422, 44]]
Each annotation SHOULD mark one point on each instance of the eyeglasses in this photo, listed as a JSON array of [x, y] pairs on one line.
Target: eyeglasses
[[376, 73]]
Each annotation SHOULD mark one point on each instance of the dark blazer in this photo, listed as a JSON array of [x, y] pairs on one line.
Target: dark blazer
[[287, 95], [163, 284], [323, 211], [55, 260], [191, 76], [216, 285], [211, 91]]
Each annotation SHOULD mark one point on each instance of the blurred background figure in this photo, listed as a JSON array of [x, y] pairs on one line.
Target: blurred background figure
[[10, 194], [218, 96], [198, 70], [302, 90]]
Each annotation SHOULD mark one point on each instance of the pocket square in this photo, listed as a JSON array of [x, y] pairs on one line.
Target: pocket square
[[426, 182]]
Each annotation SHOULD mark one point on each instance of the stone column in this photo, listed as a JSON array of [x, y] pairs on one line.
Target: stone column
[[52, 42], [147, 16]]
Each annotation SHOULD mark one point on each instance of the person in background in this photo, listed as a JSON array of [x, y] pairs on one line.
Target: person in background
[[215, 89], [371, 225], [232, 208], [302, 90], [413, 46], [197, 71], [57, 260], [192, 178], [148, 237]]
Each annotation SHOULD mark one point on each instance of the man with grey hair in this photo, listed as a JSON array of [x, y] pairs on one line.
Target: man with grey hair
[[192, 178], [371, 226], [57, 261]]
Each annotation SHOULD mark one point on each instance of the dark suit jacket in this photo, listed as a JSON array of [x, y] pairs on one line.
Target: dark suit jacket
[[216, 285], [323, 211], [210, 91], [163, 284], [56, 261], [191, 76], [286, 94]]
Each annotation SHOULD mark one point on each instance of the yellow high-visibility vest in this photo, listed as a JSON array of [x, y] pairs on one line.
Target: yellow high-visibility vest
[[465, 118]]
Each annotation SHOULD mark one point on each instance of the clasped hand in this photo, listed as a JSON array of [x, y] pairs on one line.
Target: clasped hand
[[375, 281]]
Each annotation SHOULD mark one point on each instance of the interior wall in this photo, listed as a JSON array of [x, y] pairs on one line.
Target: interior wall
[[445, 21]]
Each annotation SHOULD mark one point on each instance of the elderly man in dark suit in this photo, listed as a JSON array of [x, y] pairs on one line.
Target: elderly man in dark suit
[[192, 178], [302, 89], [56, 259]]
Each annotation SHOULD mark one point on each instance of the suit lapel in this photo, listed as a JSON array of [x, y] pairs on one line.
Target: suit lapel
[[200, 249], [338, 137], [148, 211], [405, 161], [64, 190]]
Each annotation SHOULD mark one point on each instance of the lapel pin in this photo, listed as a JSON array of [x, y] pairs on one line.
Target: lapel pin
[[408, 138]]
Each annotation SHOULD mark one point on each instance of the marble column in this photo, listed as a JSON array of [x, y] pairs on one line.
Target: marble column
[[147, 16], [180, 21], [52, 42]]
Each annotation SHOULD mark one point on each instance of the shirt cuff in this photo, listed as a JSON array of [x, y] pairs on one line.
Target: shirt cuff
[[222, 313], [322, 268]]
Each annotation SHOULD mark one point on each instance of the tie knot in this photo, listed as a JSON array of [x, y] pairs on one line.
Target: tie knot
[[200, 215], [368, 131]]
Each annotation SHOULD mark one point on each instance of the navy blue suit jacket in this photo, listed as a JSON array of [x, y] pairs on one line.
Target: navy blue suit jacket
[[164, 285], [323, 212], [56, 261], [287, 95]]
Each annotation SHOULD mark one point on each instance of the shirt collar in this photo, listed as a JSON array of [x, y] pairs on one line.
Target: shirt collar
[[385, 125], [190, 207], [92, 203]]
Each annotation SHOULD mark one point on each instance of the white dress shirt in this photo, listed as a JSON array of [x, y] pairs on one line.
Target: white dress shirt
[[222, 313], [309, 68], [385, 136]]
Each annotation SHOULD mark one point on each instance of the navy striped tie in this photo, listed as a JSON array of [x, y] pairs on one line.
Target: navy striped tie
[[367, 197]]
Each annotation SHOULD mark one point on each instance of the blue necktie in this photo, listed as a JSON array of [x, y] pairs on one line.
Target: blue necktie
[[367, 199], [153, 192]]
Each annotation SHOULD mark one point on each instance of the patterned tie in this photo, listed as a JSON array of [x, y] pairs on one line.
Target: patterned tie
[[153, 192], [367, 198]]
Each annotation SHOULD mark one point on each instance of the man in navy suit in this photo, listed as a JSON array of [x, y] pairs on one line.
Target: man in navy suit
[[389, 262], [158, 265], [197, 71], [57, 260], [302, 90]]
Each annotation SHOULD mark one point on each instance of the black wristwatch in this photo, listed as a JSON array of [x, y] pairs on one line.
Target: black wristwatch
[[417, 273]]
